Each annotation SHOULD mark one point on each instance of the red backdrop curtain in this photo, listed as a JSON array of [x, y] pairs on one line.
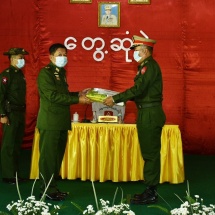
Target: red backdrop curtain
[[184, 31]]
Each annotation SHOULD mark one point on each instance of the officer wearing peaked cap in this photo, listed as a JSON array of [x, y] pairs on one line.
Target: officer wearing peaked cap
[[12, 110], [147, 94], [16, 51], [140, 41]]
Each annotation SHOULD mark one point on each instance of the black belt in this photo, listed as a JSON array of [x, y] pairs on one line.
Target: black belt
[[147, 105]]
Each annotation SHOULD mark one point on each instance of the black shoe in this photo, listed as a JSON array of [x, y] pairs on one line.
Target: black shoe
[[9, 180], [22, 179], [63, 193], [54, 196], [146, 201], [150, 189], [149, 196], [13, 180]]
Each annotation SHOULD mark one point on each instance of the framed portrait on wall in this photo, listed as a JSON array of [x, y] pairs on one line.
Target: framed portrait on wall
[[109, 14], [80, 1], [139, 1]]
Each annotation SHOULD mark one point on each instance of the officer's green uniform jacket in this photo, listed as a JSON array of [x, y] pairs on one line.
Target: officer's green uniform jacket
[[55, 99], [12, 90], [147, 94], [147, 87], [53, 121]]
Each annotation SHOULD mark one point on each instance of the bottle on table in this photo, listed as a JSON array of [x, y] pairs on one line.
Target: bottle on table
[[94, 117], [120, 117]]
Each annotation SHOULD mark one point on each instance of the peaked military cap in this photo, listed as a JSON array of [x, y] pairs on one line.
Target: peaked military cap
[[138, 41], [108, 7], [16, 51]]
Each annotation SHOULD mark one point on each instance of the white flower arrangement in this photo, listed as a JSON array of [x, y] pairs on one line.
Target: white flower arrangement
[[31, 206], [104, 208], [107, 209], [192, 206]]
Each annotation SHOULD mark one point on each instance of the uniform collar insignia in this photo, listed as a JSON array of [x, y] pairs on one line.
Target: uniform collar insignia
[[56, 74], [144, 62]]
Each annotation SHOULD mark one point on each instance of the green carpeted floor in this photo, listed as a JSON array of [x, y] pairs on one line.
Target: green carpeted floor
[[199, 171]]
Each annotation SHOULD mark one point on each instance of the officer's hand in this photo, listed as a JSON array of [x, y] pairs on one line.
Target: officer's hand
[[84, 100], [84, 92], [109, 101], [5, 120]]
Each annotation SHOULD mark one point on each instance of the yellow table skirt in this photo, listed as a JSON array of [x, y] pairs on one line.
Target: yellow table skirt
[[111, 152]]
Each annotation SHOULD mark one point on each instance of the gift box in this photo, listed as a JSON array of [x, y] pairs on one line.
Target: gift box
[[96, 96], [99, 94]]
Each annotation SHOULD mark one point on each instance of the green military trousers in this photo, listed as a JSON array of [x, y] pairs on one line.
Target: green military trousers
[[149, 127], [12, 139], [52, 146]]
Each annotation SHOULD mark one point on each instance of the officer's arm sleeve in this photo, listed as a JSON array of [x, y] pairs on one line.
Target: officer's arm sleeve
[[74, 93], [47, 88], [141, 84], [3, 87]]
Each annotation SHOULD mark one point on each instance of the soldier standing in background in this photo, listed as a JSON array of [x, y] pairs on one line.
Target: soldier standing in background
[[12, 110]]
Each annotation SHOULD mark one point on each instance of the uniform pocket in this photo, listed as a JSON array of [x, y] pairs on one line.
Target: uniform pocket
[[157, 116]]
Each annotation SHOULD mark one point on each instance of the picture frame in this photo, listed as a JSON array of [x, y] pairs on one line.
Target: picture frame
[[139, 1], [80, 1], [109, 14]]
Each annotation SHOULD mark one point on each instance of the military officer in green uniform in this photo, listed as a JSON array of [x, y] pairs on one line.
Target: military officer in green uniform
[[54, 118], [12, 110], [147, 94]]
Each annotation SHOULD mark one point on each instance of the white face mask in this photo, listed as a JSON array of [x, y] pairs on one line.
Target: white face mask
[[61, 61], [20, 63], [136, 56]]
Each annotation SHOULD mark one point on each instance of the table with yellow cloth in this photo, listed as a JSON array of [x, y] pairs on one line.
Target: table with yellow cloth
[[103, 151]]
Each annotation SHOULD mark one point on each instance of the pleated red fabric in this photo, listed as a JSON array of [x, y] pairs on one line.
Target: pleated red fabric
[[184, 31]]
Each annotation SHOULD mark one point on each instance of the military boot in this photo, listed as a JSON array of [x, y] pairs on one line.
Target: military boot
[[149, 196]]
